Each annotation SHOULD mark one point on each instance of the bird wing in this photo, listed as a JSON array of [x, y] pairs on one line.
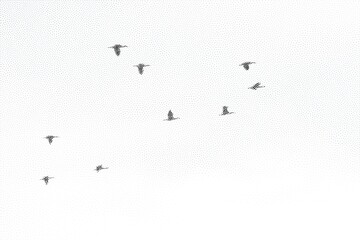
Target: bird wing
[[256, 84]]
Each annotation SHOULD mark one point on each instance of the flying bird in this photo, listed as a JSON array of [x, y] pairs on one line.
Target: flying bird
[[46, 179], [50, 138], [225, 111], [140, 67], [246, 65], [100, 167], [170, 116], [117, 47], [256, 86]]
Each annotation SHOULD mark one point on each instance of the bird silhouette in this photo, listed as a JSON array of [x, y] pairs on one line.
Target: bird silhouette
[[100, 167], [46, 179], [140, 67], [117, 47], [256, 86], [170, 116], [50, 138], [225, 111], [246, 65]]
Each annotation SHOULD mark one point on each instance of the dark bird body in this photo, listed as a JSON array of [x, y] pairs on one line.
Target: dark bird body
[[225, 111], [46, 179], [100, 167], [50, 138], [117, 47], [170, 116], [140, 67], [246, 65], [256, 86]]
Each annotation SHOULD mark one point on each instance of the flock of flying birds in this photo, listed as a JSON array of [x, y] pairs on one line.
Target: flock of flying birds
[[171, 117]]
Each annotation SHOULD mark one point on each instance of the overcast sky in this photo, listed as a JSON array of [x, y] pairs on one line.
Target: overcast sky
[[284, 166]]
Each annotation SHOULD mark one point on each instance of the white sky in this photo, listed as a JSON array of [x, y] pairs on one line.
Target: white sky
[[285, 166]]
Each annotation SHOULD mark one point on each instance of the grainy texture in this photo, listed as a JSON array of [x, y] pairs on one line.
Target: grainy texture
[[284, 166]]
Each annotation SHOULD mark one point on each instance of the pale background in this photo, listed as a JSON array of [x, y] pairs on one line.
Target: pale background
[[285, 166]]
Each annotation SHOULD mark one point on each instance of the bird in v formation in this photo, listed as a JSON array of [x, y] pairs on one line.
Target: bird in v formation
[[50, 138], [100, 167], [246, 65], [46, 179], [140, 67], [171, 117], [117, 47], [256, 86]]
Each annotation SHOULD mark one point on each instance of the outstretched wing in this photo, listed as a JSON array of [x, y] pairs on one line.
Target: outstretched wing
[[256, 85]]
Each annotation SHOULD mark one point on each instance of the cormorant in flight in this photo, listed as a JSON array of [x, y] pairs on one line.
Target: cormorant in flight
[[50, 138], [46, 179], [225, 111], [100, 167], [256, 86], [246, 65], [170, 116], [117, 47], [140, 67]]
